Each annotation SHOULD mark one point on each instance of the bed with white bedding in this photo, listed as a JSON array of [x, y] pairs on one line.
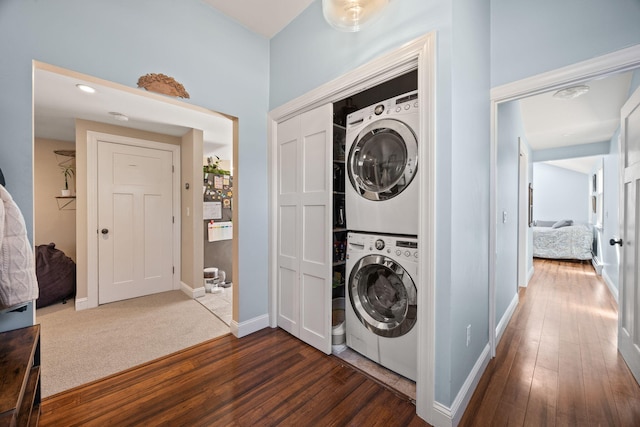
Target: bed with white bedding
[[562, 240]]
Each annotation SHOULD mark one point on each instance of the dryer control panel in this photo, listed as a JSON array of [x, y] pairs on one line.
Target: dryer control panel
[[402, 104]]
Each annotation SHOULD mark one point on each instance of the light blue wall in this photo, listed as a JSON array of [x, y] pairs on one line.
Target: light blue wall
[[571, 151], [510, 129], [223, 66], [531, 37], [560, 193], [309, 53]]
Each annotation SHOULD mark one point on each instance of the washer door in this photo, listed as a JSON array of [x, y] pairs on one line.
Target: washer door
[[383, 296], [383, 159]]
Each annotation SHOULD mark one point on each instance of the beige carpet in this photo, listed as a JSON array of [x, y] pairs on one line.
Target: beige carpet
[[81, 346]]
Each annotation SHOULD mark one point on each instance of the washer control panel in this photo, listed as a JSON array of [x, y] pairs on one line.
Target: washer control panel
[[395, 246]]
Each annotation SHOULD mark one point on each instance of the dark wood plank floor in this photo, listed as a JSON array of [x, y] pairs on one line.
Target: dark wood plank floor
[[557, 363], [268, 378]]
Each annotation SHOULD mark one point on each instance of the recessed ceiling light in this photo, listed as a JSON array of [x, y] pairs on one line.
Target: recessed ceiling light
[[85, 88], [119, 116], [571, 92]]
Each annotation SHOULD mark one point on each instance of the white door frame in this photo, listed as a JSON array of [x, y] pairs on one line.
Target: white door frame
[[619, 61], [523, 214], [420, 54], [92, 205]]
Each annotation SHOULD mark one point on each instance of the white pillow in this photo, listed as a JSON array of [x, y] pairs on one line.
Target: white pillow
[[562, 223]]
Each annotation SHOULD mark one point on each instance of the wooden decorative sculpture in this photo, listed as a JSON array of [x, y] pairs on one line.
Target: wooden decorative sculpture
[[162, 84]]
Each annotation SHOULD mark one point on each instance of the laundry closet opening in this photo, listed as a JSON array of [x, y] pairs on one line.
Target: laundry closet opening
[[374, 284]]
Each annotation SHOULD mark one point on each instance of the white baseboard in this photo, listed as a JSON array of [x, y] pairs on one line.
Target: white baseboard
[[250, 326], [450, 417], [190, 292], [529, 275], [504, 321], [610, 285], [596, 266], [82, 304]]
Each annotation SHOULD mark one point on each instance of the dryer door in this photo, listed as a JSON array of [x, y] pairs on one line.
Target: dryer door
[[383, 159], [383, 296]]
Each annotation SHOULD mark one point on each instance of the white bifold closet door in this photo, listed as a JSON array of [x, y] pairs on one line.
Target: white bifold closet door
[[304, 226]]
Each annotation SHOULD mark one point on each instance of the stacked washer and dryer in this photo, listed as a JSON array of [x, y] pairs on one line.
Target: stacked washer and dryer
[[381, 203]]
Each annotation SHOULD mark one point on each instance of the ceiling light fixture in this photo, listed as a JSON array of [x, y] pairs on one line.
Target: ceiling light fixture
[[571, 92], [85, 88], [351, 15], [119, 116]]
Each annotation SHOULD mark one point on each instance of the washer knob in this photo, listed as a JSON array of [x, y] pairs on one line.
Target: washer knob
[[407, 253], [379, 109], [379, 244], [398, 252]]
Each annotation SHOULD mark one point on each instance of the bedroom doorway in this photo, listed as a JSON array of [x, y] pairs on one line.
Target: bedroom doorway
[[598, 68]]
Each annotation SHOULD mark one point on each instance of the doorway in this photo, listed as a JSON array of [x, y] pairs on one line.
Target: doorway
[[624, 60], [57, 101]]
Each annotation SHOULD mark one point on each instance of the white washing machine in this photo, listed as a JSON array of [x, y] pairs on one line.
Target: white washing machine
[[381, 311], [381, 188]]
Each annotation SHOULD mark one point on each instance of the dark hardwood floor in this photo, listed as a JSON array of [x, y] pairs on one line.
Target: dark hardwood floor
[[557, 364], [265, 379]]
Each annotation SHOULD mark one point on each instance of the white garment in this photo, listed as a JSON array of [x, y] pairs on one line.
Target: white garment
[[18, 281]]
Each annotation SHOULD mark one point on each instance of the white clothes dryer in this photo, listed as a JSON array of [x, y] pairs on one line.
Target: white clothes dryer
[[381, 311], [381, 188]]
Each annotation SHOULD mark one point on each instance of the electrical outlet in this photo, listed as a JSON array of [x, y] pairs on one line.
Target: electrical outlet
[[468, 335]]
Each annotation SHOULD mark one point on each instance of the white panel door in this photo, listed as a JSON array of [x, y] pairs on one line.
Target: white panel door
[[304, 226], [317, 219], [629, 295], [288, 226], [135, 220]]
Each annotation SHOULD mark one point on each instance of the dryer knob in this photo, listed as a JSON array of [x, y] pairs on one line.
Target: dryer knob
[[398, 109], [407, 253], [379, 109], [406, 107], [398, 252], [415, 254], [379, 244]]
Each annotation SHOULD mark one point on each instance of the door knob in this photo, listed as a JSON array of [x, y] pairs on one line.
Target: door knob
[[105, 231], [614, 242]]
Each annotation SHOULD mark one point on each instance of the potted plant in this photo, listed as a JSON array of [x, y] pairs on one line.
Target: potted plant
[[68, 173]]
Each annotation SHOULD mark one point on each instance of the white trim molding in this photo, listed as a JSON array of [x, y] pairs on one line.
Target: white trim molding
[[82, 304], [504, 322], [452, 416], [610, 285], [418, 54], [250, 326], [530, 275], [191, 292], [618, 61]]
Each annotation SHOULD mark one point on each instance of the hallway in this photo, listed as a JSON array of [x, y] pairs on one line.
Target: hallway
[[557, 363]]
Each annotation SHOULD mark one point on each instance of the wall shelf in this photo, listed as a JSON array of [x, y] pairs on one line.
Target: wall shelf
[[66, 202]]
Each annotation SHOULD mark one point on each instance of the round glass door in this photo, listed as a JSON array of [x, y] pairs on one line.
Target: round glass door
[[383, 296], [383, 159]]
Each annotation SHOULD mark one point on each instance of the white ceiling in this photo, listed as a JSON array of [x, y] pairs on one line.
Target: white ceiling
[[57, 102], [593, 117], [264, 17]]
